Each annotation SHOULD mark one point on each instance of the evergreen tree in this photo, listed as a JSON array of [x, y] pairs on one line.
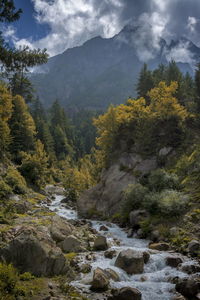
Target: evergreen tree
[[197, 87], [145, 83], [22, 127], [5, 115], [173, 73]]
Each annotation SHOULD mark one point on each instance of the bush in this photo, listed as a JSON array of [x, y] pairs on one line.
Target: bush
[[133, 198], [168, 203], [5, 189], [8, 279], [15, 180], [160, 179]]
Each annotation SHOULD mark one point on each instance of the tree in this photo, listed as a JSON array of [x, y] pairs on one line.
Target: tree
[[34, 166], [145, 83], [22, 127], [197, 87], [8, 12], [5, 115]]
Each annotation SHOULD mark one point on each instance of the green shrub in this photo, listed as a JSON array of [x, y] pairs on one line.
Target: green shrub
[[5, 189], [168, 203], [133, 198], [8, 279], [26, 276], [160, 179], [15, 180]]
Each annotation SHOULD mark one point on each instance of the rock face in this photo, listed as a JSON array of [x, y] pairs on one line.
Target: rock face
[[100, 280], [130, 261], [33, 251], [126, 293], [107, 196], [100, 243]]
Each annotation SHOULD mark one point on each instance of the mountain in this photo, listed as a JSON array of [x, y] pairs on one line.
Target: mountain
[[104, 71]]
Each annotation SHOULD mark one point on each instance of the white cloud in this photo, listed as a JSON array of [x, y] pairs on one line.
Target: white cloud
[[73, 22], [181, 53]]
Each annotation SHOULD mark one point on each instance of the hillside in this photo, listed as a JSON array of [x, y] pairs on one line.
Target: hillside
[[102, 71]]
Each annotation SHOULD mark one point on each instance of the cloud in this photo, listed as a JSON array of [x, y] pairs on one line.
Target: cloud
[[181, 53], [73, 22]]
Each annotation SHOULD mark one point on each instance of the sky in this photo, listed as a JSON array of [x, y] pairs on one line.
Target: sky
[[61, 24]]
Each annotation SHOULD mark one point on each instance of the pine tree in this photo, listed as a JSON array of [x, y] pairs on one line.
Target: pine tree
[[197, 87], [5, 115], [22, 127], [145, 83]]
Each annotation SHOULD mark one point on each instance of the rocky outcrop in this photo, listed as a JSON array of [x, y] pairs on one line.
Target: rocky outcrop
[[107, 196], [130, 261], [35, 252], [126, 293]]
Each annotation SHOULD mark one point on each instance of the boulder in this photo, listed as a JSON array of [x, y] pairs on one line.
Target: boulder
[[100, 280], [126, 293], [159, 246], [110, 253], [146, 256], [103, 228], [85, 268], [130, 261], [71, 244], [100, 243], [190, 268], [54, 189], [178, 297], [35, 252], [194, 248], [136, 216], [130, 233], [155, 236], [60, 228], [112, 274], [189, 287], [173, 261]]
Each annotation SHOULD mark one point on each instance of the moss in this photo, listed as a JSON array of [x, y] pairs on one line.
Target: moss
[[70, 256], [5, 190]]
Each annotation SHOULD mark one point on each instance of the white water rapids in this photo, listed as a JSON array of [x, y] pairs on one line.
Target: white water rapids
[[154, 283]]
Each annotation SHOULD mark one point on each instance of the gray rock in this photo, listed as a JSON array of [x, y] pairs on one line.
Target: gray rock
[[164, 151], [146, 256], [126, 293], [194, 248], [103, 228], [130, 261], [70, 244], [162, 246], [189, 287], [100, 243], [33, 251], [130, 233], [110, 254], [100, 280], [190, 268], [112, 274], [173, 261], [59, 228]]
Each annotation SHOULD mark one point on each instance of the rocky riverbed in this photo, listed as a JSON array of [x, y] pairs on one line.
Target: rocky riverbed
[[119, 267]]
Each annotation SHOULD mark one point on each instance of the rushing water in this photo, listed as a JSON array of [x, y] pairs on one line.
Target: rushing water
[[154, 283]]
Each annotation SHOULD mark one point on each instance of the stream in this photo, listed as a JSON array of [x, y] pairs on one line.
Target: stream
[[154, 283]]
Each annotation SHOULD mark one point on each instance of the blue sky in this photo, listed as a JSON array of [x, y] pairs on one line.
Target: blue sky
[[61, 24], [27, 25]]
